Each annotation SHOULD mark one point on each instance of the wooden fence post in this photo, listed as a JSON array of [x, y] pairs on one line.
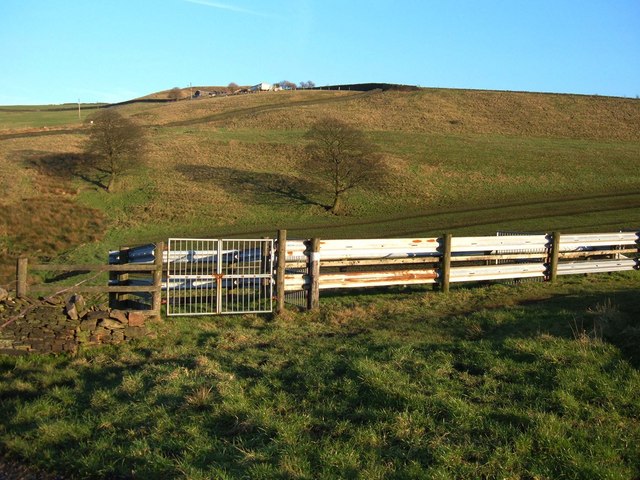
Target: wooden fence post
[[281, 269], [554, 255], [313, 298], [22, 268], [445, 268], [156, 295]]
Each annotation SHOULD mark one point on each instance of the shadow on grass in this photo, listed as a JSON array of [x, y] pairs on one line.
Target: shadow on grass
[[608, 316], [268, 188], [612, 317], [66, 166], [403, 388]]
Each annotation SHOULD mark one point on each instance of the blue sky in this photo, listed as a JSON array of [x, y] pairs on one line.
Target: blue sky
[[57, 51]]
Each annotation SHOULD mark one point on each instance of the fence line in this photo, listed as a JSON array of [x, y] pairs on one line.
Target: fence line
[[439, 261], [301, 269], [119, 282]]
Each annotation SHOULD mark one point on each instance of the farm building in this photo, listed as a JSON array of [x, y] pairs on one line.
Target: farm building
[[261, 87]]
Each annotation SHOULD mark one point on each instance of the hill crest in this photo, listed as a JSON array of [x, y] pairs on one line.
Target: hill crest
[[420, 110]]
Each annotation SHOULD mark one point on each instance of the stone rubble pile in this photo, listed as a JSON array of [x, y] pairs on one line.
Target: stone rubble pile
[[57, 326]]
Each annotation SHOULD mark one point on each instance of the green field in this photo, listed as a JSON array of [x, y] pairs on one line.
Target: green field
[[532, 381], [21, 117], [536, 381]]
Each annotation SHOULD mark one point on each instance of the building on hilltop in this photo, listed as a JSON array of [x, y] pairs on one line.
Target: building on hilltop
[[261, 87]]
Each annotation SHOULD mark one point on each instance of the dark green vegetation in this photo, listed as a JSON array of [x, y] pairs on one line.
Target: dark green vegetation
[[530, 381]]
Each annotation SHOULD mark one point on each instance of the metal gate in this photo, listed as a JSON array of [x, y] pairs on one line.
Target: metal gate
[[208, 277]]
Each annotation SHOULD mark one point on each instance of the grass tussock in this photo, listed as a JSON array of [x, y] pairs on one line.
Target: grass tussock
[[605, 322]]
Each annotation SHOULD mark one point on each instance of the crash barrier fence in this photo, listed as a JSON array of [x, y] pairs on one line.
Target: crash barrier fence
[[313, 265], [201, 277]]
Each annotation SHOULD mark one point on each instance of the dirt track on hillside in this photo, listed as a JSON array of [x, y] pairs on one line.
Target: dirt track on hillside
[[243, 112], [439, 220]]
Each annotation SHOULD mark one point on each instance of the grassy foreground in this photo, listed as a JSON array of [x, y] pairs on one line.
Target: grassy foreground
[[531, 381]]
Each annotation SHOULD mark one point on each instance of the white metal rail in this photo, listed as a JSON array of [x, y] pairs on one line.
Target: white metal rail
[[407, 261]]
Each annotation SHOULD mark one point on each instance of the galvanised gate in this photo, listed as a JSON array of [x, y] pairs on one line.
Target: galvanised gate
[[206, 276]]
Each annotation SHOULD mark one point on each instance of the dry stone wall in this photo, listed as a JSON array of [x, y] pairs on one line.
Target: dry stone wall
[[57, 326]]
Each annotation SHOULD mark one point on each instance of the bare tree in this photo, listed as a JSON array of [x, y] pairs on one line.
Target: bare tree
[[307, 84], [232, 87], [115, 144], [287, 85], [343, 158], [175, 93]]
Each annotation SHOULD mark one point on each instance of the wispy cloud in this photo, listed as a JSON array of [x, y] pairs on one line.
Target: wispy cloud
[[231, 8]]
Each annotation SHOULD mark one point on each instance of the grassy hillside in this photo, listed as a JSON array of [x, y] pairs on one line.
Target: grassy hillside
[[462, 161]]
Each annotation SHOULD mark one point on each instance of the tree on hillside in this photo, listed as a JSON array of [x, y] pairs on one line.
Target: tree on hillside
[[287, 85], [232, 87], [307, 84], [343, 158], [115, 144], [175, 93]]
